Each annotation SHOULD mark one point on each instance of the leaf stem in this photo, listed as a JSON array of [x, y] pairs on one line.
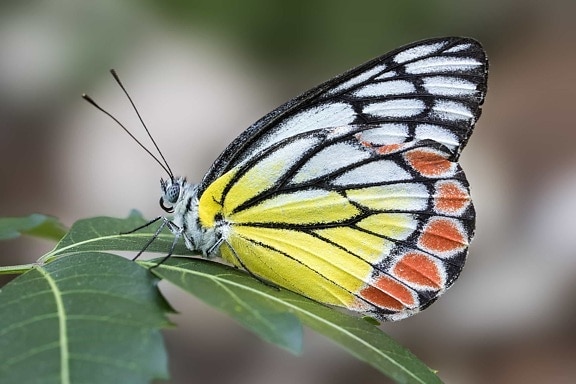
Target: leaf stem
[[16, 269]]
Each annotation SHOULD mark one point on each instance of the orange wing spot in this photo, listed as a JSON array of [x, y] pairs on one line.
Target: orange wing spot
[[380, 149], [388, 293], [384, 149], [418, 269], [442, 235], [364, 143], [428, 163], [451, 197]]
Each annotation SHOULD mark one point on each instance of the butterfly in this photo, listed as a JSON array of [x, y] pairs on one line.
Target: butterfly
[[351, 193]]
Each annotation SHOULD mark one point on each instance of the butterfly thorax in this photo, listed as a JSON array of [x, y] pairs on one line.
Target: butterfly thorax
[[180, 198]]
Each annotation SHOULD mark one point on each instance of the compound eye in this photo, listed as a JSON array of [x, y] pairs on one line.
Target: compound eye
[[172, 193]]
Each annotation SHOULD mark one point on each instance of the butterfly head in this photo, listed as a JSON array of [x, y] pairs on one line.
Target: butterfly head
[[172, 192]]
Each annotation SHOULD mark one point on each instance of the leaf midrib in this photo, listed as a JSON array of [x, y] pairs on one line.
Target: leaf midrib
[[63, 335], [64, 250]]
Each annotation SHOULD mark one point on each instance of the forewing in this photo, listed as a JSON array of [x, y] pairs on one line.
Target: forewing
[[431, 89]]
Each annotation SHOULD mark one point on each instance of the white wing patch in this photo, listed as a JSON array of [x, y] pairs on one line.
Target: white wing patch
[[449, 86], [329, 159], [358, 79], [387, 75], [417, 52], [388, 133], [374, 172], [441, 64], [436, 133], [388, 88], [459, 48], [395, 108], [321, 116], [452, 110]]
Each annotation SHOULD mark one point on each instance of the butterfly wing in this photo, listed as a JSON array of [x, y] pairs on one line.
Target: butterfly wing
[[350, 194], [428, 89]]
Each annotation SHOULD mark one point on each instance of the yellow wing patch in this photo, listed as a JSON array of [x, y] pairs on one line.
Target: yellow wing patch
[[300, 261], [369, 247], [397, 197], [397, 226], [210, 203], [302, 208]]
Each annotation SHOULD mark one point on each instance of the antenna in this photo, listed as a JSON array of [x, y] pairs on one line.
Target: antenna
[[164, 166], [115, 75]]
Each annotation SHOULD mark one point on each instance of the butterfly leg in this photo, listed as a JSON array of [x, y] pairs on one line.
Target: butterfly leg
[[154, 237], [142, 226], [212, 251], [177, 233]]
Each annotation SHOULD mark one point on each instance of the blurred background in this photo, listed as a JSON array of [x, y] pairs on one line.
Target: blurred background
[[201, 72]]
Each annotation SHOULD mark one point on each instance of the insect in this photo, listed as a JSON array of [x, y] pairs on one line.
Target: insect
[[351, 193]]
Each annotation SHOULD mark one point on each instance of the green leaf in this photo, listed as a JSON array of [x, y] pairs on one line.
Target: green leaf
[[92, 318], [274, 314], [37, 225], [106, 234], [213, 283], [250, 301]]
